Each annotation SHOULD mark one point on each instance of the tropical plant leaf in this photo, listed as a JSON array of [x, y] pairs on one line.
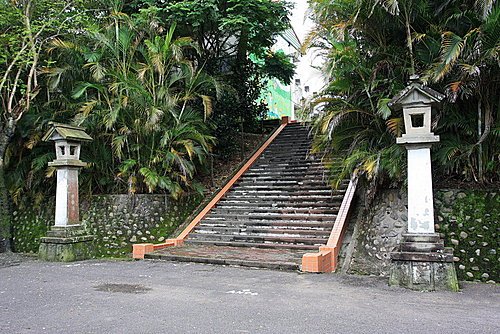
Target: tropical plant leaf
[[207, 105], [452, 46], [382, 109]]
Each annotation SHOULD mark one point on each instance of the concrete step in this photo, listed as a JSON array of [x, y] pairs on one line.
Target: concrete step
[[294, 130], [287, 160], [296, 151], [279, 239], [281, 182], [286, 164], [284, 175], [307, 190], [280, 259], [299, 164], [288, 198], [268, 223], [290, 128], [253, 209], [287, 180], [297, 170], [277, 182], [282, 191], [290, 139], [280, 178], [288, 145], [261, 230], [271, 216], [284, 170], [422, 246], [271, 189], [225, 203], [283, 188], [293, 136], [252, 244], [292, 149]]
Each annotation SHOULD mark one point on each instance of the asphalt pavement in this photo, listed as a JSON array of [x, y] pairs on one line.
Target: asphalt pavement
[[103, 296]]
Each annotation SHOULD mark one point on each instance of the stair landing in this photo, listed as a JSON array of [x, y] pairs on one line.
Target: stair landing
[[281, 259]]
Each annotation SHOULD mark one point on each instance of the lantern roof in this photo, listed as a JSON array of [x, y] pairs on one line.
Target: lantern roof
[[415, 93], [66, 131]]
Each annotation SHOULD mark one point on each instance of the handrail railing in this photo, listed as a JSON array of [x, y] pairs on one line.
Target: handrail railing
[[209, 197], [139, 250], [228, 185], [326, 260], [336, 235]]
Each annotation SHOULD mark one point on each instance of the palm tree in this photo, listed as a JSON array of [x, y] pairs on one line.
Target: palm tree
[[371, 47], [144, 100], [355, 128], [469, 65]]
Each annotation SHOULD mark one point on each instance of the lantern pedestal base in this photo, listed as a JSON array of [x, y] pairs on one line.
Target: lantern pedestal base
[[66, 244], [423, 264]]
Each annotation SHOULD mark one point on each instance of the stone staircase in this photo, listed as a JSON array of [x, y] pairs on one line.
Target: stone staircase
[[282, 203]]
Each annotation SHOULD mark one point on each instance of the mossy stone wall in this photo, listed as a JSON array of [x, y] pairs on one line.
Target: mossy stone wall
[[29, 225], [468, 221], [117, 221]]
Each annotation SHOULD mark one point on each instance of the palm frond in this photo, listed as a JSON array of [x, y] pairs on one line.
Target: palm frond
[[395, 126], [382, 109], [452, 46], [207, 105]]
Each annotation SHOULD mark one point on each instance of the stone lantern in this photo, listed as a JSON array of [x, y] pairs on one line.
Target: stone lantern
[[422, 262], [67, 240]]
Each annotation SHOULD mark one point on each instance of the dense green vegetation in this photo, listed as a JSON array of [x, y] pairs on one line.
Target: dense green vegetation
[[159, 85], [26, 28], [371, 47]]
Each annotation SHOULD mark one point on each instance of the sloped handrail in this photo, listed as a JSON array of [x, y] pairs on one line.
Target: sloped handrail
[[337, 234], [139, 250], [326, 260], [228, 185]]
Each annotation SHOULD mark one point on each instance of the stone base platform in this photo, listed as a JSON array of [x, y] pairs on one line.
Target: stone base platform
[[281, 259], [66, 244], [423, 264]]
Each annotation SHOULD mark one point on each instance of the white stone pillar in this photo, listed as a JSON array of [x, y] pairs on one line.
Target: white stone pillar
[[67, 206], [421, 262], [67, 240], [420, 197]]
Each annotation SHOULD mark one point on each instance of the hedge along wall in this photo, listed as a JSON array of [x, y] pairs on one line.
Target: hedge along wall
[[117, 221], [469, 221]]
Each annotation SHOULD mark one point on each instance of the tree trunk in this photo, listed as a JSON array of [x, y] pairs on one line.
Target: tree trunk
[[480, 144], [4, 213], [6, 133], [241, 55], [409, 42]]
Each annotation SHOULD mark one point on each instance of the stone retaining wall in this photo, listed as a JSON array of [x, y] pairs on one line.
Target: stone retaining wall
[[118, 221], [468, 220]]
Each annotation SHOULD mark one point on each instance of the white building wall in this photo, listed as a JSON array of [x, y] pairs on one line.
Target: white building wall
[[306, 71]]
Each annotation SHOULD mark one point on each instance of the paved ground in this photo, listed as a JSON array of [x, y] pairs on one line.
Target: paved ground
[[165, 297]]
